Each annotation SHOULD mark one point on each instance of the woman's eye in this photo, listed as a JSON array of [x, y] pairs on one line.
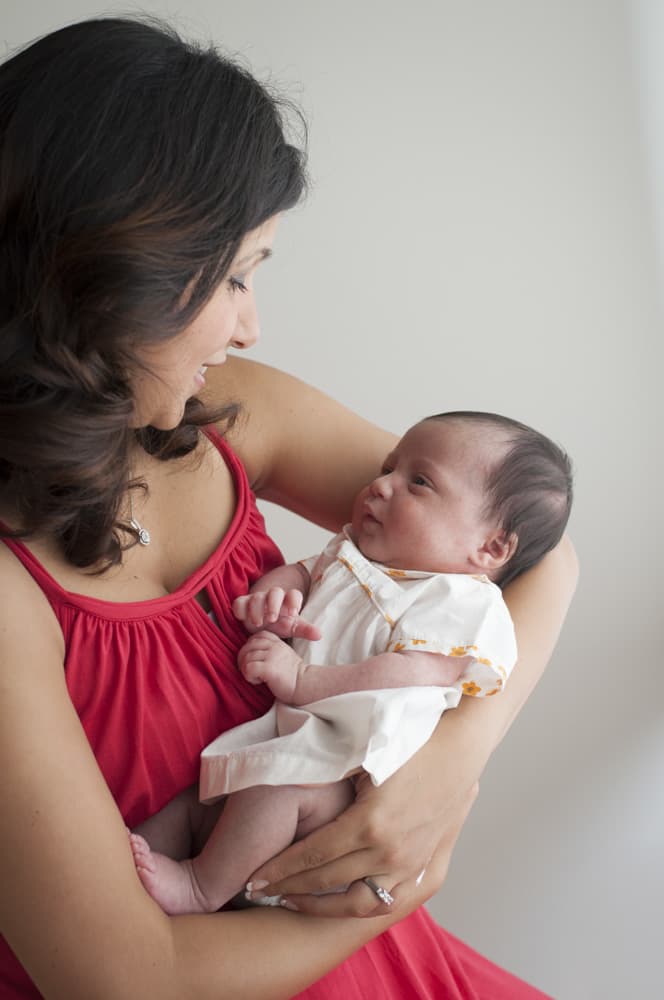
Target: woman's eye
[[237, 284]]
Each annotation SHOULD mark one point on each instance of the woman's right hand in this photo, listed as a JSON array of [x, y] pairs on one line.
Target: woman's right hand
[[391, 834]]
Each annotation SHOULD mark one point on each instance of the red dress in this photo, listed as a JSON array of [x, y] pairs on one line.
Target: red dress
[[154, 681]]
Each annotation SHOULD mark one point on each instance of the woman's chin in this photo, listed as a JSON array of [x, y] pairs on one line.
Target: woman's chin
[[165, 419]]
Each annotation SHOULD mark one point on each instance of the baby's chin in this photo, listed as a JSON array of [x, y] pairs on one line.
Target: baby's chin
[[361, 542], [376, 552]]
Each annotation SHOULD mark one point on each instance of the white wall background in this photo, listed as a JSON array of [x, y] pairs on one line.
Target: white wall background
[[481, 233]]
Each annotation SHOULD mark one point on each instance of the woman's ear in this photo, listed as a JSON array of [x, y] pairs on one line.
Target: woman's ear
[[495, 551]]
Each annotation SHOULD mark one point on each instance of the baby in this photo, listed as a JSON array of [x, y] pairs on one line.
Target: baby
[[407, 605]]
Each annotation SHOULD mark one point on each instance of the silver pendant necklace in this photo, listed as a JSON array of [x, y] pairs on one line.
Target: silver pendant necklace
[[143, 533]]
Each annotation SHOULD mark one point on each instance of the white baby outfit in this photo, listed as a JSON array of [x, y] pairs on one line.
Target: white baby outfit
[[362, 609]]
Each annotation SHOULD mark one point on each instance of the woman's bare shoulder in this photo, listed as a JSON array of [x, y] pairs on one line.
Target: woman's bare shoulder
[[271, 404], [26, 617]]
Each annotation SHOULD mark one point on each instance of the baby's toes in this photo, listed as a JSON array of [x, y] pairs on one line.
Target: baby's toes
[[141, 852]]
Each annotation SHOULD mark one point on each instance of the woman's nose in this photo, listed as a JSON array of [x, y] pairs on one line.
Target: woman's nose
[[247, 330]]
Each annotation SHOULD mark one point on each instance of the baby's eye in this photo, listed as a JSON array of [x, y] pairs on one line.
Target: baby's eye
[[237, 284], [420, 481]]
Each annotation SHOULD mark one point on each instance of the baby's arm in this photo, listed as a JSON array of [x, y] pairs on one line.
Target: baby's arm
[[274, 603], [265, 659]]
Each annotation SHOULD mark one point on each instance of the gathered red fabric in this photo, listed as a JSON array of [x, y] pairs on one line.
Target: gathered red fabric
[[154, 681]]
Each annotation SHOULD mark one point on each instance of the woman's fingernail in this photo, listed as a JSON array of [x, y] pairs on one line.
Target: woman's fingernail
[[257, 885], [287, 905]]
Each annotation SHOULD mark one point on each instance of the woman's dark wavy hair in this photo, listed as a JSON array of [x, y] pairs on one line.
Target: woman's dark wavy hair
[[528, 489], [132, 164]]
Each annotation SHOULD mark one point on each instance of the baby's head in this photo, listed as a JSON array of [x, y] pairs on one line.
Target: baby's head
[[466, 492]]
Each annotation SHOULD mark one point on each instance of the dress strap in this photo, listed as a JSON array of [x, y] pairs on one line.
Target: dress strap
[[54, 592]]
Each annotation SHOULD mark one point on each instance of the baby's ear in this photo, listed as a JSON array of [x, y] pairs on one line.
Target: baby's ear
[[496, 550]]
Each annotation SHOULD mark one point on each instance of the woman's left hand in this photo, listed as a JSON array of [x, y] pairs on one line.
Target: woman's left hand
[[400, 835]]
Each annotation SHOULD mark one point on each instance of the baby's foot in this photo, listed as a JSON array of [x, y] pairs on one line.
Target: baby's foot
[[170, 883]]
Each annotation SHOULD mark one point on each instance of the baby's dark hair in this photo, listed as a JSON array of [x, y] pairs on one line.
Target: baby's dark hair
[[132, 164], [528, 488]]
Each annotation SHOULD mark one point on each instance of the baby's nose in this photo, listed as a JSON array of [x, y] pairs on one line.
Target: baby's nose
[[381, 486]]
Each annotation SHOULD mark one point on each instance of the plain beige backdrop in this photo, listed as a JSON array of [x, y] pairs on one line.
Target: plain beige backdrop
[[482, 233]]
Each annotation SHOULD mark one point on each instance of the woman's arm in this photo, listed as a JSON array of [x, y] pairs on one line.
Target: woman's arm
[[312, 455], [301, 448], [72, 907]]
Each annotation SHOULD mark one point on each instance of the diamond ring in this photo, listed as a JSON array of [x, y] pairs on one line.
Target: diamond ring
[[383, 895]]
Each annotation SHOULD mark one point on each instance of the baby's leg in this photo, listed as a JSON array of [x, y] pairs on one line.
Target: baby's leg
[[174, 830], [255, 824]]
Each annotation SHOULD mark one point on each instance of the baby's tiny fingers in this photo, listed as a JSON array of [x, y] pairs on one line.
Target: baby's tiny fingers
[[239, 607], [251, 667], [302, 629], [292, 603], [256, 610], [274, 602]]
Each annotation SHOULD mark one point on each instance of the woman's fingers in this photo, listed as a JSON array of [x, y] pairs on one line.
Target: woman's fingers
[[361, 900], [357, 901], [346, 851], [335, 876], [328, 857], [337, 854]]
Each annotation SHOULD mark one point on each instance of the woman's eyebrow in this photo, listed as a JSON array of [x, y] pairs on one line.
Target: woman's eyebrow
[[262, 254]]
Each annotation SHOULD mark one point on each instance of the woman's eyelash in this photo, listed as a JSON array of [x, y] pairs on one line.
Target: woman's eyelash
[[237, 284]]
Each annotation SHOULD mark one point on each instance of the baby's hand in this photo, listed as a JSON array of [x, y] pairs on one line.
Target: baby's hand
[[276, 610], [266, 659]]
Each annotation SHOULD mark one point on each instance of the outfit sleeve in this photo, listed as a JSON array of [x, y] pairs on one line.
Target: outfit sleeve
[[462, 616], [309, 563]]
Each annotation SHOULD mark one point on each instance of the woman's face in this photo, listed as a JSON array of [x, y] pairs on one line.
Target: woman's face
[[176, 367]]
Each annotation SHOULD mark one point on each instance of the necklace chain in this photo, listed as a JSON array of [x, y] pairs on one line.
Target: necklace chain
[[144, 536]]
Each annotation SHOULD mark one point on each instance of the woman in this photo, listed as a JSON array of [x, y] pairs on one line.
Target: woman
[[141, 183]]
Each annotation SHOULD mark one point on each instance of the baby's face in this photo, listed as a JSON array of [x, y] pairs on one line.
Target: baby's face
[[425, 510]]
